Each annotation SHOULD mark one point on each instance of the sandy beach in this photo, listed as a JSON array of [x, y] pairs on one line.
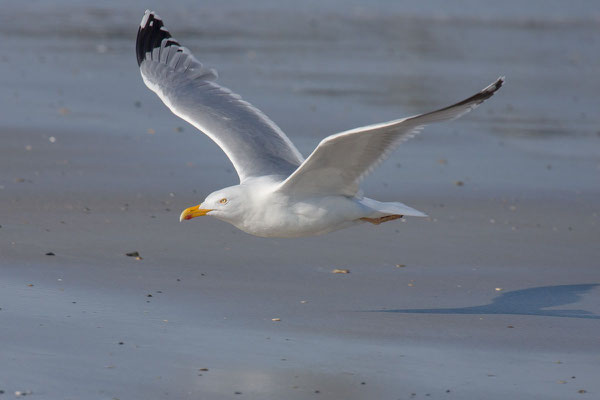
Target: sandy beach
[[495, 296]]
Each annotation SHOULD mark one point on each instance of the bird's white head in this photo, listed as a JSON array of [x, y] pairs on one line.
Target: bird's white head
[[226, 204]]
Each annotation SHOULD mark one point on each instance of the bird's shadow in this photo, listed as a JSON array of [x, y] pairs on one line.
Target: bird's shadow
[[532, 301]]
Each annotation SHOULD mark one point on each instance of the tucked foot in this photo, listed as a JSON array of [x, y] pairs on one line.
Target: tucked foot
[[377, 221]]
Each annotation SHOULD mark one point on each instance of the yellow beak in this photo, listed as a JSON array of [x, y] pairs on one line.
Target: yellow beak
[[193, 212]]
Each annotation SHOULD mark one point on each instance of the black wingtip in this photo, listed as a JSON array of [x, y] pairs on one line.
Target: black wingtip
[[150, 35], [484, 94], [496, 85], [491, 89]]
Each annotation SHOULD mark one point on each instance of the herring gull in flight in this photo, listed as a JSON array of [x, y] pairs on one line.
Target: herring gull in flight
[[281, 194]]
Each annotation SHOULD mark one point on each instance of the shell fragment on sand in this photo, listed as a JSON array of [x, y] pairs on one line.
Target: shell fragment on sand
[[340, 271]]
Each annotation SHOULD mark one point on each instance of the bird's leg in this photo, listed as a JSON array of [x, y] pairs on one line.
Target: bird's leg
[[377, 221]]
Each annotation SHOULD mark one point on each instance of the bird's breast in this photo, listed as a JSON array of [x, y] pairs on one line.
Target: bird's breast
[[300, 217]]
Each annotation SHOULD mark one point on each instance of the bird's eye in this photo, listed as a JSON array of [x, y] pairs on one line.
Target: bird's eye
[[223, 201]]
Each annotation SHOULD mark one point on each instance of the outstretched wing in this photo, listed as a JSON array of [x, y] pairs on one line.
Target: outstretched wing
[[341, 161], [253, 143]]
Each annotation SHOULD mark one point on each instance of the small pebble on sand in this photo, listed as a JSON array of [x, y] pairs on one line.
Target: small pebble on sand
[[133, 254], [50, 253], [276, 319], [340, 271]]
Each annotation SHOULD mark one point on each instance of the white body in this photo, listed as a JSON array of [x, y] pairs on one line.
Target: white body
[[268, 212]]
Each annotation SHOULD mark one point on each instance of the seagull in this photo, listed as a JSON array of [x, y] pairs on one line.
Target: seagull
[[280, 194]]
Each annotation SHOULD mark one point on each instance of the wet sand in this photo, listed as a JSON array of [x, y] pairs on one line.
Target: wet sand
[[494, 296]]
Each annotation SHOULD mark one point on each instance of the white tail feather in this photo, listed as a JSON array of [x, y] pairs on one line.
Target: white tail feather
[[390, 208]]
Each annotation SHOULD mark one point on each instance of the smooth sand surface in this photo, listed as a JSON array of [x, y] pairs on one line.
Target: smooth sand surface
[[494, 296]]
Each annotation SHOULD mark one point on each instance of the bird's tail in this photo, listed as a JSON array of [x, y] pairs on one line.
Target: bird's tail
[[390, 208]]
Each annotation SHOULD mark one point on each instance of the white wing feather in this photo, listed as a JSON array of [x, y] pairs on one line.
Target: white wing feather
[[341, 161], [253, 143]]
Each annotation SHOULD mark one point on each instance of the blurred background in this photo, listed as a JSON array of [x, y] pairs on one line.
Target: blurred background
[[93, 166]]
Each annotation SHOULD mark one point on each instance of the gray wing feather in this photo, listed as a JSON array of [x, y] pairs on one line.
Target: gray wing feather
[[341, 161], [253, 143]]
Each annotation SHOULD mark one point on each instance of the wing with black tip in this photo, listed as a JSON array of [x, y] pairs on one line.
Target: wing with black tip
[[341, 161], [253, 143]]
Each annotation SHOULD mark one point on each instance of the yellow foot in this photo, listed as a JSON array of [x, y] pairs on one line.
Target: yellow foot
[[377, 221]]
